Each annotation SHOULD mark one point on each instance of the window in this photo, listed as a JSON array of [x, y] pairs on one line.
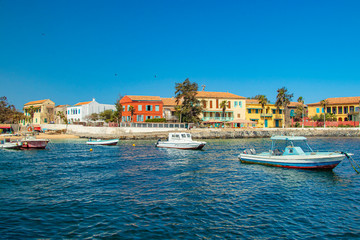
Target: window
[[334, 110], [148, 107], [328, 109], [240, 104], [128, 118], [211, 114], [249, 110], [157, 117], [128, 107], [79, 111], [351, 109], [124, 108], [280, 111], [217, 103], [235, 104], [256, 110], [68, 111], [123, 118], [274, 111], [45, 120], [148, 117], [229, 104], [204, 103], [357, 109], [340, 110], [157, 108], [139, 107], [346, 110], [210, 104], [317, 110], [238, 115]]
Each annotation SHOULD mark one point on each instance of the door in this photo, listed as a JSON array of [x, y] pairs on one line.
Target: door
[[266, 123], [276, 123]]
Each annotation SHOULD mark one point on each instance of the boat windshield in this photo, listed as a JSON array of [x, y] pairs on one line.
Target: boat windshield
[[281, 145]]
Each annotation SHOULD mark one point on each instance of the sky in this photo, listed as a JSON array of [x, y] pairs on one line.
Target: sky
[[73, 51]]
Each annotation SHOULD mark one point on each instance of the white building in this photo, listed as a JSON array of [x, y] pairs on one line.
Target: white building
[[81, 110]]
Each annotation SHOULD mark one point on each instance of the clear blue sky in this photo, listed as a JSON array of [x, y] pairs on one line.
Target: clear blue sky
[[72, 51]]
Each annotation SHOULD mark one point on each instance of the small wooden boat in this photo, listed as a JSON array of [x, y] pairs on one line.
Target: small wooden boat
[[292, 155], [180, 141], [30, 142], [6, 143], [110, 142]]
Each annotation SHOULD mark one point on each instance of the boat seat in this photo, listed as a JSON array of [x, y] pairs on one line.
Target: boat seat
[[277, 152], [252, 151]]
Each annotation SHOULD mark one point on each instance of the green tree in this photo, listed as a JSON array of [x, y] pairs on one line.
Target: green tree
[[301, 109], [283, 99], [132, 112], [223, 106], [189, 109], [262, 101], [31, 112], [117, 115], [106, 115], [324, 104], [92, 117]]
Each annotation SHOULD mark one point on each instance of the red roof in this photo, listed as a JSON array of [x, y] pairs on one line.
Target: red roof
[[204, 94], [82, 103], [339, 100]]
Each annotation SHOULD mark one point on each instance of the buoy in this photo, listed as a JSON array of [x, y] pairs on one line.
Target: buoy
[[90, 149], [134, 145]]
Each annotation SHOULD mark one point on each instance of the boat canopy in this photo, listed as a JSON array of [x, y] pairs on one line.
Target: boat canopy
[[288, 138], [179, 136]]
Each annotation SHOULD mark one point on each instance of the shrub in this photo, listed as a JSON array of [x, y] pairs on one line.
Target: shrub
[[156, 120]]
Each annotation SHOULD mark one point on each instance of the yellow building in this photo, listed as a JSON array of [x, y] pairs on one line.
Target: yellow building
[[272, 117], [344, 108], [43, 111], [212, 111]]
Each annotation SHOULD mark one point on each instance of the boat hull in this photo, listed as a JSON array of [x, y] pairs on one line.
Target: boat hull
[[35, 144], [184, 146], [111, 142], [13, 146], [327, 162]]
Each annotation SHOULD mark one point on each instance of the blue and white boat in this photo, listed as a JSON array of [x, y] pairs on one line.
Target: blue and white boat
[[292, 155], [102, 142]]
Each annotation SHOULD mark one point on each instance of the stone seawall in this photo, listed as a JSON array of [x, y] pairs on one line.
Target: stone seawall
[[201, 133]]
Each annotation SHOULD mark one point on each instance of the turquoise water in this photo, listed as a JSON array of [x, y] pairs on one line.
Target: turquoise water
[[126, 192]]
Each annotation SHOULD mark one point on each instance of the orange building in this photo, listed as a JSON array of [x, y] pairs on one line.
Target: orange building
[[145, 107]]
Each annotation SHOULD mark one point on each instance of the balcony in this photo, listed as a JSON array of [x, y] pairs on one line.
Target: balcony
[[222, 119], [266, 115]]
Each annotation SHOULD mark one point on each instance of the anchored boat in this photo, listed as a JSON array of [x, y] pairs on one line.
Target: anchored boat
[[102, 142], [6, 143], [292, 155], [180, 141], [31, 142]]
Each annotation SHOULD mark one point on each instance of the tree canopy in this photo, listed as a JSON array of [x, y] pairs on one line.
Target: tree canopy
[[189, 110], [8, 112]]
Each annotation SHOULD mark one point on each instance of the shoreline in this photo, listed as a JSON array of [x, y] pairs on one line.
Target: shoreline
[[199, 133]]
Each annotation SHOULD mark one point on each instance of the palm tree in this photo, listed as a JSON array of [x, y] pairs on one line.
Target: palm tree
[[31, 111], [301, 101], [263, 101], [223, 106], [283, 100], [324, 103], [132, 111]]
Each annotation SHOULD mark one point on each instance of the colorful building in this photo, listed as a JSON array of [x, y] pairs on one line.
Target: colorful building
[[145, 107], [82, 110], [57, 110], [271, 117], [344, 108], [42, 110], [212, 111], [169, 105]]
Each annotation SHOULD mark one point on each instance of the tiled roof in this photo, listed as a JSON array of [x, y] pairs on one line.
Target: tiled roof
[[82, 103], [35, 102], [204, 94], [339, 100], [295, 104], [252, 101], [169, 101], [144, 98]]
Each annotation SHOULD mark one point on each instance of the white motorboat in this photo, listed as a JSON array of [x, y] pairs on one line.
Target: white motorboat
[[292, 155], [6, 143], [180, 141], [102, 142]]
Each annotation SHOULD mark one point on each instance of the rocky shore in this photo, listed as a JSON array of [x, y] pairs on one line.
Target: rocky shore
[[231, 133]]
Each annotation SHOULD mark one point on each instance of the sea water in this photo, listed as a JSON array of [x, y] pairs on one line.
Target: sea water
[[141, 192]]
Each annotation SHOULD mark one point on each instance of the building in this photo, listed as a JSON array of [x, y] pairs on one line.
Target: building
[[169, 105], [82, 110], [343, 108], [145, 107], [212, 111], [41, 111], [57, 110], [293, 107], [271, 117]]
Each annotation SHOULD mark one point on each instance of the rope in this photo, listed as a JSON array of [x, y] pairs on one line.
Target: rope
[[353, 163]]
